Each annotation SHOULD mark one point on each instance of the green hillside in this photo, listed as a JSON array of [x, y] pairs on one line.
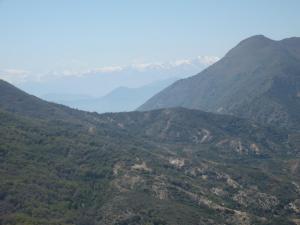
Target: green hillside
[[169, 166]]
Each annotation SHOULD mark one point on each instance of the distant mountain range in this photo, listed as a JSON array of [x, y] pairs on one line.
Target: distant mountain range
[[258, 79], [100, 81], [121, 99]]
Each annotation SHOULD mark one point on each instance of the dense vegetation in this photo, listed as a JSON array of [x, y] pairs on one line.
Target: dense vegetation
[[171, 166]]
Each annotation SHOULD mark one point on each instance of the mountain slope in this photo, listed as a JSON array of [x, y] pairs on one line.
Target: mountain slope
[[121, 99], [17, 101], [258, 79], [171, 166]]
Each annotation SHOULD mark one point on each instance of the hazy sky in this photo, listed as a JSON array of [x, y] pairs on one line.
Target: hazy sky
[[53, 35]]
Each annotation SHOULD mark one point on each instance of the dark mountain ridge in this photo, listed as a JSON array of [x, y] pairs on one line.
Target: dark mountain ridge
[[258, 79]]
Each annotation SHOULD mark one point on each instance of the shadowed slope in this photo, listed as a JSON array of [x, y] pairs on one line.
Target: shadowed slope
[[258, 79]]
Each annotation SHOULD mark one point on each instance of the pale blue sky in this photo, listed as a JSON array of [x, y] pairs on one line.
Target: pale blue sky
[[41, 35]]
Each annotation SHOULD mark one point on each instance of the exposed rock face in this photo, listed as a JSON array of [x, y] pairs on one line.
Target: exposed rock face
[[177, 162], [141, 166], [253, 198], [294, 206]]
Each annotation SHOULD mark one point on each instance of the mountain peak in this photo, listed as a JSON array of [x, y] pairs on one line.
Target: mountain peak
[[256, 38], [261, 40], [250, 44]]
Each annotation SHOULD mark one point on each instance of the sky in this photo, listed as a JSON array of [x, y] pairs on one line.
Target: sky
[[46, 37]]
